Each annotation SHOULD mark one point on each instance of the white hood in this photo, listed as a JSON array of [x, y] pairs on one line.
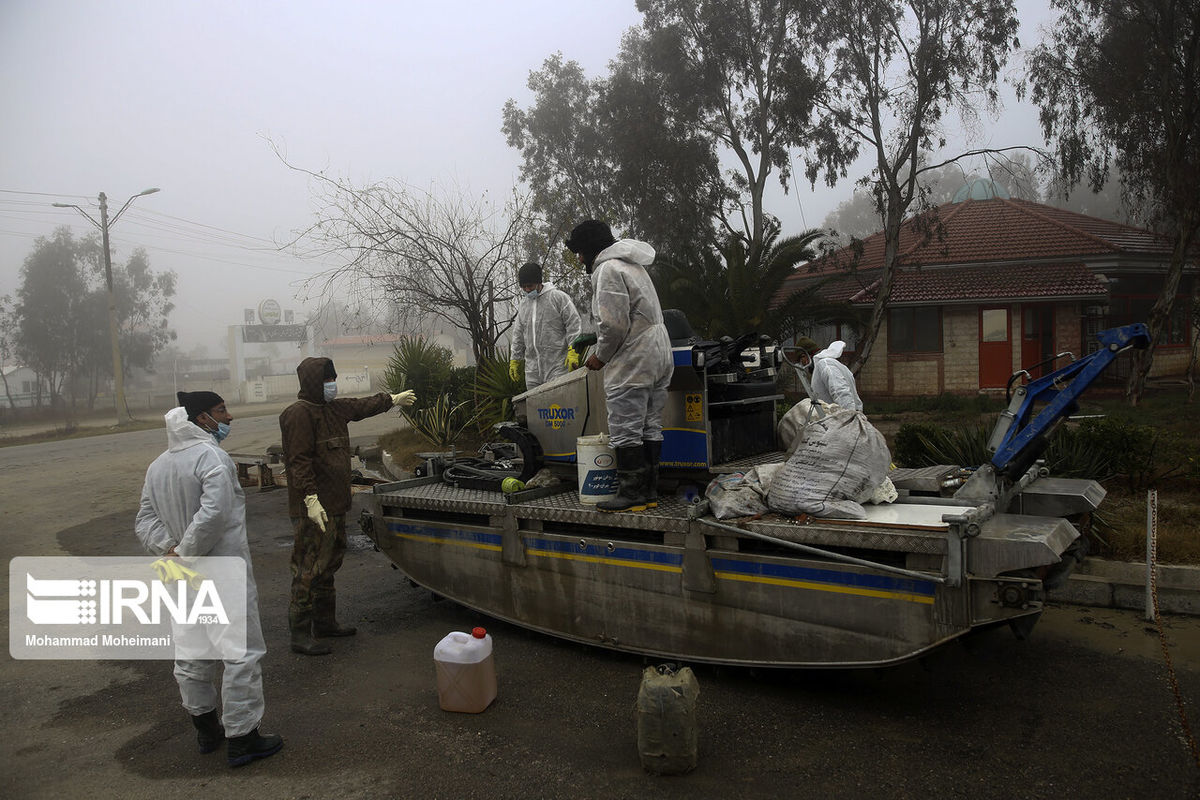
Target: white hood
[[833, 351], [628, 250], [182, 434]]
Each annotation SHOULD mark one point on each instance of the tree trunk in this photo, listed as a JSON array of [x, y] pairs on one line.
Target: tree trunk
[[7, 393], [883, 292], [1160, 316]]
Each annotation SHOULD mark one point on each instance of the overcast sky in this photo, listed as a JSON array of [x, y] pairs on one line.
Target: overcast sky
[[124, 95]]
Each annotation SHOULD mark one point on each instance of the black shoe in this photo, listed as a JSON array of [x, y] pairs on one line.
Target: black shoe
[[209, 733], [247, 747], [631, 464], [302, 638], [653, 452]]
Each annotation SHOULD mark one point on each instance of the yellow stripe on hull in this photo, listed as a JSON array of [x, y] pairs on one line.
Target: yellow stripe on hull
[[614, 562], [458, 543], [825, 587]]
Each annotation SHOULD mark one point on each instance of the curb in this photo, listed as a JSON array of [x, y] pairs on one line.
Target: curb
[[1122, 584]]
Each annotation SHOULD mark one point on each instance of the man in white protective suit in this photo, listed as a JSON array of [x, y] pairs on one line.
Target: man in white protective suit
[[832, 381], [633, 347], [546, 323], [193, 506]]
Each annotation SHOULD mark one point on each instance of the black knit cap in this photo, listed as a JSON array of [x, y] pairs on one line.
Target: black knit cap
[[529, 273], [196, 403], [589, 238]]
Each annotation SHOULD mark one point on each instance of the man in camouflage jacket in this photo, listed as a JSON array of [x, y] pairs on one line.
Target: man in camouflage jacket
[[316, 452]]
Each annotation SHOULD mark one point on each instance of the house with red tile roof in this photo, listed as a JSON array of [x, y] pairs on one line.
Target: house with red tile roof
[[988, 287]]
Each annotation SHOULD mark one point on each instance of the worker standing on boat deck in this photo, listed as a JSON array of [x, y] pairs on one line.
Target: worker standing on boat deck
[[635, 351], [832, 381], [546, 322], [316, 452], [192, 506]]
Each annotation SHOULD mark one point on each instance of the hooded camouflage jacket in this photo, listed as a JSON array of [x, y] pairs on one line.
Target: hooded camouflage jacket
[[316, 440]]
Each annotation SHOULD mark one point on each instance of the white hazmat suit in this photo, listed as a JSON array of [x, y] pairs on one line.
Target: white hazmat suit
[[192, 502], [546, 324], [631, 341], [832, 381]]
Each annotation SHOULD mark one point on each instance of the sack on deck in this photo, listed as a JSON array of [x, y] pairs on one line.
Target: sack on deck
[[838, 465]]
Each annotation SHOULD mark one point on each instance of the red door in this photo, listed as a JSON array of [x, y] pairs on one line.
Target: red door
[[1037, 338], [995, 348]]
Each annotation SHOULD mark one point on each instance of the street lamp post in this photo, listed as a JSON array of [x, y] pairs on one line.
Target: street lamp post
[[103, 225]]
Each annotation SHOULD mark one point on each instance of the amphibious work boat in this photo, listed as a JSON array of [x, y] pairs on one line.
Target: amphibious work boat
[[674, 582]]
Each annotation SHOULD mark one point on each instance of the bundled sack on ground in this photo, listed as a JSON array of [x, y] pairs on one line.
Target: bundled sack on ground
[[737, 495], [839, 464]]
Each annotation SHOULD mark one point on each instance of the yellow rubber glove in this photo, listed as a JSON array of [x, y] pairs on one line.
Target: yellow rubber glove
[[170, 571], [405, 398], [514, 370], [572, 361], [316, 512]]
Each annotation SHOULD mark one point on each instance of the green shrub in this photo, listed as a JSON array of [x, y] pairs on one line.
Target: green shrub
[[422, 366], [494, 390], [442, 423], [1100, 449], [924, 445]]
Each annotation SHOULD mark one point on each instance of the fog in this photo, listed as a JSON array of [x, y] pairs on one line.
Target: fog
[[123, 96]]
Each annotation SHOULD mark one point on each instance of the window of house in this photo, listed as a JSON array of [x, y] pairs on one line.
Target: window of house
[[825, 333], [915, 330], [993, 324], [1133, 298]]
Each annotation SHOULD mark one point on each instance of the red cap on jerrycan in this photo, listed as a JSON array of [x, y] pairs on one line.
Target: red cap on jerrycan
[[478, 633]]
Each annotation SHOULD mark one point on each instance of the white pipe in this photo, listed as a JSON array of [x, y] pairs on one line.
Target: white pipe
[[1151, 548]]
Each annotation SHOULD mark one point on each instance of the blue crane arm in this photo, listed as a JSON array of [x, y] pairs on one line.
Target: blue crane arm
[[1022, 433]]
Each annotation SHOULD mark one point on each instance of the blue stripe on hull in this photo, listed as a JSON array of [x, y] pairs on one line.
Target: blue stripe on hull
[[728, 569]]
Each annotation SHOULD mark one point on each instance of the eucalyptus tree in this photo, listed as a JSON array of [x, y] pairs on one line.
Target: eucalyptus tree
[[1118, 84], [899, 68], [700, 84]]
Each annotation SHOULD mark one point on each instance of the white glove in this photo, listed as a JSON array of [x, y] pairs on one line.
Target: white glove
[[316, 512], [405, 398]]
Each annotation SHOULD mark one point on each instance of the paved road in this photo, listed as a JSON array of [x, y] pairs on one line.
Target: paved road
[[1082, 709]]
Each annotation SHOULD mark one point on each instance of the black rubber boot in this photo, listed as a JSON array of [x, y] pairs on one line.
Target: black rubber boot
[[246, 748], [325, 621], [631, 466], [209, 733], [302, 638], [653, 451]]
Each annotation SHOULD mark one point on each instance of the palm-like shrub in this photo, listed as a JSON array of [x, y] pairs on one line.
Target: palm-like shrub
[[494, 390], [442, 423], [422, 366]]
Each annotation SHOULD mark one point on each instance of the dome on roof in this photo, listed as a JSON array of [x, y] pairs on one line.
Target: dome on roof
[[980, 189]]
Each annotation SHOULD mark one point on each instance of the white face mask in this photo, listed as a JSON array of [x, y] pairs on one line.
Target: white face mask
[[330, 391]]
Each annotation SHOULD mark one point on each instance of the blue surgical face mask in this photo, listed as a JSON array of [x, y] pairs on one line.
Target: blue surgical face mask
[[532, 293], [330, 391], [222, 429]]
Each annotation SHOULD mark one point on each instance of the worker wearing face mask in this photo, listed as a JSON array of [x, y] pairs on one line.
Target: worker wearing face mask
[[316, 452], [634, 350], [192, 506], [546, 323]]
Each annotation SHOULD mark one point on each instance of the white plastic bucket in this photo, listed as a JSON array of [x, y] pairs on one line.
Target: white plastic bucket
[[597, 463], [466, 673]]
